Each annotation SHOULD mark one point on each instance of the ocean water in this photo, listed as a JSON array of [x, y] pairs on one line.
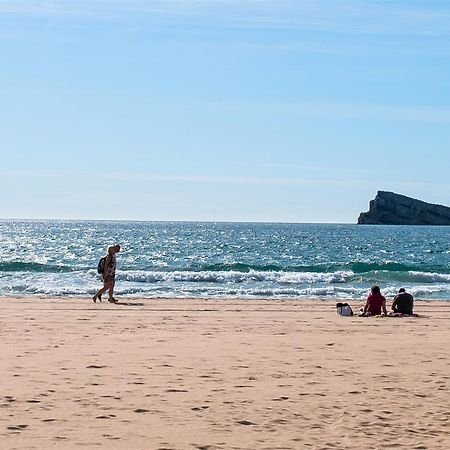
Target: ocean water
[[237, 260]]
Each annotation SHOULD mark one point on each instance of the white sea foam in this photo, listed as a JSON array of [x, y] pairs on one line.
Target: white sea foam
[[429, 291], [430, 277], [234, 277], [219, 284]]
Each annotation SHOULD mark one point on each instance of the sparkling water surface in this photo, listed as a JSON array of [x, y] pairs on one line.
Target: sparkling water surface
[[238, 260]]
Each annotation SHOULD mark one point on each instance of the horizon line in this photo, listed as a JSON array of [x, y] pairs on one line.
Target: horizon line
[[47, 219]]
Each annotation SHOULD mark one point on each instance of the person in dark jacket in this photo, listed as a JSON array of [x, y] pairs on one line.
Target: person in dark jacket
[[403, 302]]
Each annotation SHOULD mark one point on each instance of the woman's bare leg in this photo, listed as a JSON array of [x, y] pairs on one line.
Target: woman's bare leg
[[100, 292], [111, 291]]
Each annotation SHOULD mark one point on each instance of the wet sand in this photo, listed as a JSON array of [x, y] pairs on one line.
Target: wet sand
[[210, 374]]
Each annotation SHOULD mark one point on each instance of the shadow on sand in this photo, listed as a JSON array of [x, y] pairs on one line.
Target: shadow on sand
[[127, 304], [124, 303]]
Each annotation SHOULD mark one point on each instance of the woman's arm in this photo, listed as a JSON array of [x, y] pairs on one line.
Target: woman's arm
[[366, 307], [384, 307]]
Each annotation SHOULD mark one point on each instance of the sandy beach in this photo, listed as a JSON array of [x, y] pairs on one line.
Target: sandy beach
[[210, 374]]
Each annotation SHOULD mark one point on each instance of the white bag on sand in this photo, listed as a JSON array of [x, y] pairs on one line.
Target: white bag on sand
[[344, 309]]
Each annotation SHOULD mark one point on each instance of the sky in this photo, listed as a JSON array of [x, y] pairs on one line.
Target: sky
[[221, 110]]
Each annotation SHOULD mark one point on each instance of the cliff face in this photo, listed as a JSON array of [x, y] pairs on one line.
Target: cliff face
[[393, 209]]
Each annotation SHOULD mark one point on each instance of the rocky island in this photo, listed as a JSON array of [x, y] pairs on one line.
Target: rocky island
[[389, 208]]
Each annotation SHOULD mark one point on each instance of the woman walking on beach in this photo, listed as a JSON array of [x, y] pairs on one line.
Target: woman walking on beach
[[108, 275]]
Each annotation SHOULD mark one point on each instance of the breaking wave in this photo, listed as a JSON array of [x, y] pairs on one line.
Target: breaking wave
[[233, 277]]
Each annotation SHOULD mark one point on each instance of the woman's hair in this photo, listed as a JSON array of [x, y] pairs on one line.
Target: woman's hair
[[114, 247], [375, 290]]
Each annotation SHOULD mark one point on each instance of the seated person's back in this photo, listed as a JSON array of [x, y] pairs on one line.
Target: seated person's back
[[375, 303], [403, 302]]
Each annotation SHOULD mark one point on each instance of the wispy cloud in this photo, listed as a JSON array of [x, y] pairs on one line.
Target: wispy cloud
[[400, 17], [136, 177], [432, 114], [124, 178]]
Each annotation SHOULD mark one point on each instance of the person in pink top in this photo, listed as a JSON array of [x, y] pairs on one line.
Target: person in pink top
[[375, 303]]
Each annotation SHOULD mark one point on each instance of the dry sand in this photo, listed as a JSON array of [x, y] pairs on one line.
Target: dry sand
[[207, 374]]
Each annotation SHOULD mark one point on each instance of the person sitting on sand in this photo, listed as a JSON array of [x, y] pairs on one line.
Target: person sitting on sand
[[108, 275], [403, 302], [375, 303]]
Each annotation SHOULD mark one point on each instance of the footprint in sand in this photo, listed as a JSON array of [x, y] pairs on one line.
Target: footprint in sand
[[245, 422], [17, 427], [279, 421], [199, 408]]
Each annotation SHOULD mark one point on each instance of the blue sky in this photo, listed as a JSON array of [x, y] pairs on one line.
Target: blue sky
[[247, 110]]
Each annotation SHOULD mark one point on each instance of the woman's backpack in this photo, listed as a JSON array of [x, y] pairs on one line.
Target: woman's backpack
[[101, 265]]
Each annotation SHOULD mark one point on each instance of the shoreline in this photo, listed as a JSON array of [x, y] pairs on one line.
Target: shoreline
[[128, 298], [221, 374]]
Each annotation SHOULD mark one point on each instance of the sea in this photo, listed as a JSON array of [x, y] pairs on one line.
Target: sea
[[224, 260]]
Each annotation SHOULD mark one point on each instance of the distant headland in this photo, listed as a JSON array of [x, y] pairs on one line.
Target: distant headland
[[388, 208]]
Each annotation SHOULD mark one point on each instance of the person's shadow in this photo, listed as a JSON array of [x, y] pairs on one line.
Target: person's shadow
[[126, 304]]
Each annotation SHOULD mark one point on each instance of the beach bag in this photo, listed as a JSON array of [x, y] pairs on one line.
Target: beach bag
[[344, 309], [101, 265]]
